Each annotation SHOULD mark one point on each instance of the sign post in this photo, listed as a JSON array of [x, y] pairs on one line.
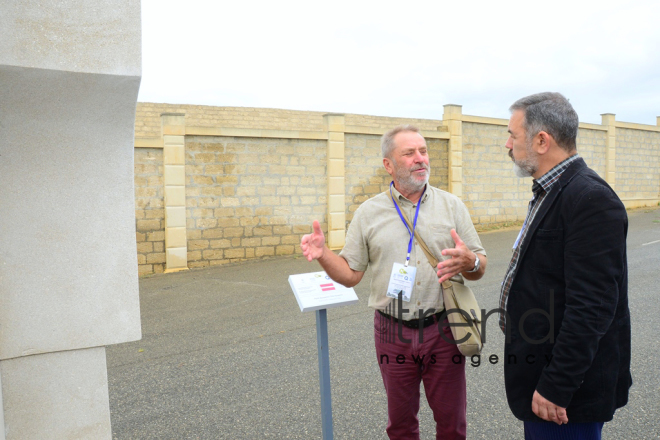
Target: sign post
[[324, 372], [316, 291]]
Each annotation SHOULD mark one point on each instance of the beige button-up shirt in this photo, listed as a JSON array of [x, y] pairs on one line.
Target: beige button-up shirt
[[377, 237]]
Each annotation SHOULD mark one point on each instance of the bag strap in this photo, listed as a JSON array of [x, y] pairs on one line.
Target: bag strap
[[429, 255]]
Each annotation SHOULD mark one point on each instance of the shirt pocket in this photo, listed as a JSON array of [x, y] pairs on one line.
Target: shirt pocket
[[440, 239], [441, 232]]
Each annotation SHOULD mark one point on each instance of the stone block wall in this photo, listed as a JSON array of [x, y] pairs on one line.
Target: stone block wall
[[439, 161], [389, 122], [638, 161], [149, 210], [251, 197], [255, 179], [591, 146], [148, 122], [492, 192], [365, 175]]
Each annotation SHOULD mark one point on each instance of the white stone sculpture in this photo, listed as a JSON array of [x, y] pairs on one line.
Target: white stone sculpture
[[69, 77]]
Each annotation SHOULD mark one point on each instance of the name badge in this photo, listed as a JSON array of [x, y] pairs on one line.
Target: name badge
[[402, 281]]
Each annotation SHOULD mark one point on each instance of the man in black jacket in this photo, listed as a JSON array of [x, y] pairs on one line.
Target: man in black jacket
[[565, 293]]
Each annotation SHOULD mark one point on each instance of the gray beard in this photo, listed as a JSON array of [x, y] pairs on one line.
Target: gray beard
[[410, 185], [528, 166], [522, 172]]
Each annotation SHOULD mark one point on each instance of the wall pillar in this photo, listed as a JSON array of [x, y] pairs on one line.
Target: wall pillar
[[610, 149], [453, 118], [336, 181], [174, 181]]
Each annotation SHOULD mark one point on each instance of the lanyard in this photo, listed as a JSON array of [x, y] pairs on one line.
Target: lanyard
[[412, 233], [530, 207], [515, 245]]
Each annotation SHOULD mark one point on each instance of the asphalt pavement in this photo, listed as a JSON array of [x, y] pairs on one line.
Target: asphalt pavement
[[227, 354]]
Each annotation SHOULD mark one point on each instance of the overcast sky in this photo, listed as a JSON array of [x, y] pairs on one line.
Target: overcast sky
[[404, 58]]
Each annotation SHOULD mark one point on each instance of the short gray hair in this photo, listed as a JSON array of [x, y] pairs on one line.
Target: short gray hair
[[550, 112], [387, 141]]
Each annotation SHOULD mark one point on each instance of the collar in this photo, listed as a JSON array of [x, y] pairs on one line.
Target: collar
[[546, 181], [400, 196]]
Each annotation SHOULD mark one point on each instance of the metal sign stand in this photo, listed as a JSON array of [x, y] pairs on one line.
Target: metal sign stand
[[315, 291], [324, 372]]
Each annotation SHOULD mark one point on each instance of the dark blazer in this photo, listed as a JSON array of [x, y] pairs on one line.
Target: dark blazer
[[570, 294]]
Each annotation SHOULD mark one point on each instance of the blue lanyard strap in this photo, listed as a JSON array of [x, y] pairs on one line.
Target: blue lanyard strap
[[412, 233]]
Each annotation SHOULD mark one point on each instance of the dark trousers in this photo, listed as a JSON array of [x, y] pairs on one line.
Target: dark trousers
[[569, 431]]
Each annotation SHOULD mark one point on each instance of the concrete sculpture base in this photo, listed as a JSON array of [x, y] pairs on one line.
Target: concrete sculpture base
[[57, 395]]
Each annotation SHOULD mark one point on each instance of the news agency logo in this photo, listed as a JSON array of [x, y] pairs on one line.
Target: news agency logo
[[393, 325], [474, 360]]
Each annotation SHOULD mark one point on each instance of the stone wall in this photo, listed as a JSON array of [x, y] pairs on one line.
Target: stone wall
[[148, 121], [149, 211], [255, 179], [591, 146], [492, 193], [251, 197], [638, 161]]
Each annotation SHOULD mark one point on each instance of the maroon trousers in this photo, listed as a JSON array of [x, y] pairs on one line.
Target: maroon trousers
[[405, 362]]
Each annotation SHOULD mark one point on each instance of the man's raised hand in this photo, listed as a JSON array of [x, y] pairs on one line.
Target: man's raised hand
[[313, 244], [462, 259]]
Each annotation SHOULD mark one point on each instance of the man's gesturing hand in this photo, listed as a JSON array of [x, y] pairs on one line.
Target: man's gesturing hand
[[547, 410], [313, 244], [462, 259]]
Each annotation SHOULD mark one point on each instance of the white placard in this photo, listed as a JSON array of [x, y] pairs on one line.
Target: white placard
[[316, 291]]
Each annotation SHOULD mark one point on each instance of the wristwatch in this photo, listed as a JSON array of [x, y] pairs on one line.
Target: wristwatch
[[476, 264]]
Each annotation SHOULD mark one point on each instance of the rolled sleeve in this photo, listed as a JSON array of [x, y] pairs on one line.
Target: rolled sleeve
[[356, 250]]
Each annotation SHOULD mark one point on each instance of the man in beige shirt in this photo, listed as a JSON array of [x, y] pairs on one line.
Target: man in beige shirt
[[410, 349]]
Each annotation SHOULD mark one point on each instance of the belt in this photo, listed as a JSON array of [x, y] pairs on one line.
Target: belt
[[415, 323]]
